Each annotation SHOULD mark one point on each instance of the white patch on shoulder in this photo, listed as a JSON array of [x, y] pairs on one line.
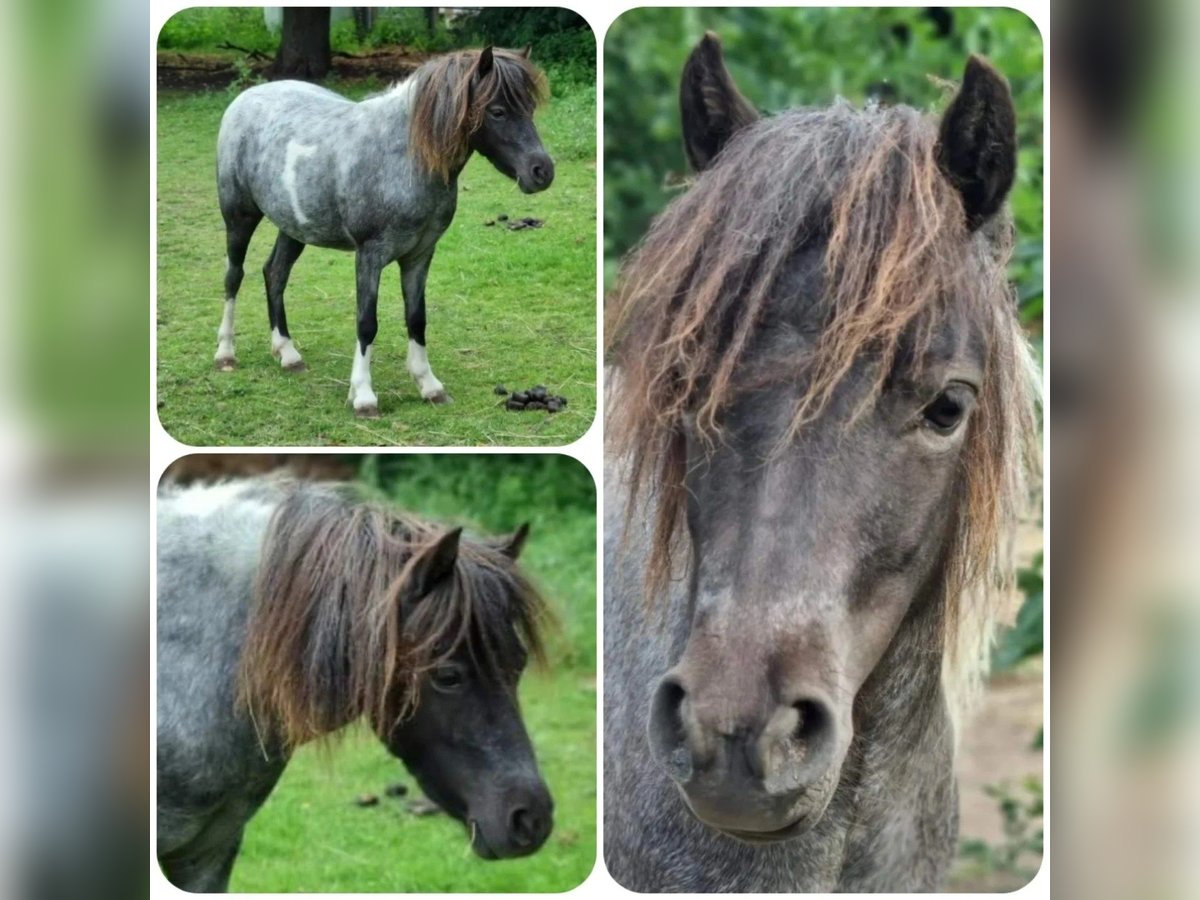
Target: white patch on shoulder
[[292, 155], [418, 368], [283, 348]]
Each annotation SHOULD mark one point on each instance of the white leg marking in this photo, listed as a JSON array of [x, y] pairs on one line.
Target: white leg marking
[[364, 399], [292, 155], [225, 355], [285, 351], [418, 368]]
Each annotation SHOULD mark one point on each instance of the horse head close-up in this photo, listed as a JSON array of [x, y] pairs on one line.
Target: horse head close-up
[[822, 421], [288, 611], [378, 177]]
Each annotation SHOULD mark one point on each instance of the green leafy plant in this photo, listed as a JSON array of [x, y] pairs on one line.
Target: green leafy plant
[[1020, 852], [1025, 638]]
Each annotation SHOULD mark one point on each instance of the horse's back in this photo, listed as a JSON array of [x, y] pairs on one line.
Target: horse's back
[[282, 148]]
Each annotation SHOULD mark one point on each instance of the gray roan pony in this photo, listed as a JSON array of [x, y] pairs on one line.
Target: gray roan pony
[[379, 177], [286, 612], [821, 414]]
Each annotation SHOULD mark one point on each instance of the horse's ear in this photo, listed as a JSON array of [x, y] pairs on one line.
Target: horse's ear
[[712, 107], [511, 545], [485, 62], [524, 51], [435, 564], [977, 142]]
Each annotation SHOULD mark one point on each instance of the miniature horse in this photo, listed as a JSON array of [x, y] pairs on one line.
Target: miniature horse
[[378, 177]]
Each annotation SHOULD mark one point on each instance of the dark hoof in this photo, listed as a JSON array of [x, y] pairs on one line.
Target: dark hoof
[[366, 800], [225, 364], [440, 398], [396, 790], [299, 366], [367, 412]]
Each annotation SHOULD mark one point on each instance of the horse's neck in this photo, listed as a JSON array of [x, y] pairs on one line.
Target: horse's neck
[[399, 103], [897, 793]]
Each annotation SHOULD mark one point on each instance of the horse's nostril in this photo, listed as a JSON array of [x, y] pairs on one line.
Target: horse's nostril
[[539, 173], [814, 731], [523, 826], [667, 737]]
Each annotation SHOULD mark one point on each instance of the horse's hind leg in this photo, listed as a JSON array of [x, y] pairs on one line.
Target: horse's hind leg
[[276, 271], [412, 281], [239, 228]]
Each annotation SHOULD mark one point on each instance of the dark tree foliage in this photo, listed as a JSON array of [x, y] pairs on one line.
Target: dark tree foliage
[[556, 35]]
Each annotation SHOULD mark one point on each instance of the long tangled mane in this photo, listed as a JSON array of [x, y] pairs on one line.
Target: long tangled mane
[[333, 635], [899, 261], [448, 108]]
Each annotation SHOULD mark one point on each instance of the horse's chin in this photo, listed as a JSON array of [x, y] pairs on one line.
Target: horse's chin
[[527, 188], [797, 827]]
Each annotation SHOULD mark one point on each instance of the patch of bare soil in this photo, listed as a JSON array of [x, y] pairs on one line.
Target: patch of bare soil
[[998, 748], [210, 71]]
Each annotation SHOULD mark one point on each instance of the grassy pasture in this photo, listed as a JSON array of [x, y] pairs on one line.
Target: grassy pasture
[[511, 307]]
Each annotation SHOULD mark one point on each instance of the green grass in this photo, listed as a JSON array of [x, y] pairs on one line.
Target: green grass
[[310, 835], [517, 308]]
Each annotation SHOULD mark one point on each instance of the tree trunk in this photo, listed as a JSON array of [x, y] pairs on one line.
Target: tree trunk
[[304, 47]]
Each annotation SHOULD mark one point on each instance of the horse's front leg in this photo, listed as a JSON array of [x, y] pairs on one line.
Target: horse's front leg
[[368, 264], [412, 281]]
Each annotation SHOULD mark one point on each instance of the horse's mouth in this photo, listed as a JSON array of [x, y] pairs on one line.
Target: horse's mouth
[[478, 843], [786, 833], [774, 836], [528, 188]]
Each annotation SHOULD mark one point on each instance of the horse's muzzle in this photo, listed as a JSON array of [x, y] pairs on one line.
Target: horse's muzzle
[[538, 174], [515, 826], [758, 772]]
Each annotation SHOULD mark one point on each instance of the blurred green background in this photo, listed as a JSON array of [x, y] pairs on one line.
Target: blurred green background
[[785, 57], [312, 836]]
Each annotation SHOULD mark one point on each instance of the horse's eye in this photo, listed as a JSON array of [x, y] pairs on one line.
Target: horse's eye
[[447, 678], [948, 409], [496, 112]]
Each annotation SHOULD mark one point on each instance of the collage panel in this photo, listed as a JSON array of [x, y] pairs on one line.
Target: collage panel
[[376, 673], [442, 165], [821, 294], [823, 537]]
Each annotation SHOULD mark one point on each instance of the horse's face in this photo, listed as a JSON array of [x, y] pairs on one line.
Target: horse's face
[[468, 749], [805, 561], [508, 138], [467, 746], [807, 554]]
